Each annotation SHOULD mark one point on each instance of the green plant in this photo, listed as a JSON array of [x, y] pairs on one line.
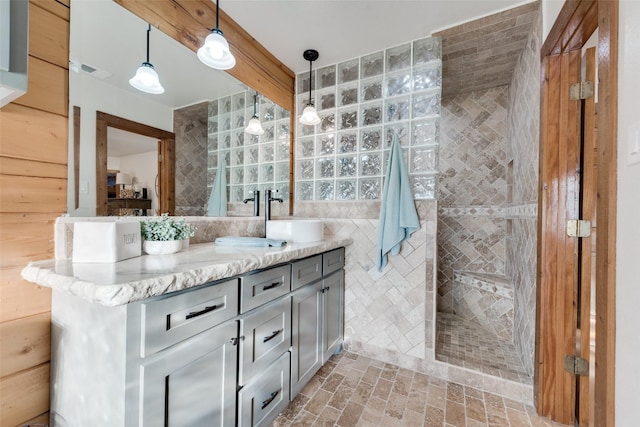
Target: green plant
[[166, 228]]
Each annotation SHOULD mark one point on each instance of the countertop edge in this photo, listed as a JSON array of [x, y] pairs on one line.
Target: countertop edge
[[44, 273]]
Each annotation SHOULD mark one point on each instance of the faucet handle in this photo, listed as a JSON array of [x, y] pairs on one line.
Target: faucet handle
[[273, 199]]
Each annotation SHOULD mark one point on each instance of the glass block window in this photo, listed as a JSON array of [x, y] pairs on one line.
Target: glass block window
[[363, 103], [254, 162]]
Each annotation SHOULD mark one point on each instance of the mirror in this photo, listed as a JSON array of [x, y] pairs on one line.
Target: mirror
[[207, 109]]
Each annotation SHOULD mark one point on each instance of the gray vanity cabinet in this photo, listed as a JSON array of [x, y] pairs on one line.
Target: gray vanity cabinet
[[183, 358], [231, 353]]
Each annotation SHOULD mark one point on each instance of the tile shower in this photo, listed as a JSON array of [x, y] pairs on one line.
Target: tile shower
[[485, 195]]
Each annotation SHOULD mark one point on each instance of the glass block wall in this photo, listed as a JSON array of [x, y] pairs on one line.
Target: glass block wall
[[362, 103], [252, 162]]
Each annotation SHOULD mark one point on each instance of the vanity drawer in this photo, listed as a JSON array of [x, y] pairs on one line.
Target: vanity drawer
[[306, 271], [332, 261], [264, 286], [267, 334], [174, 318], [260, 402]]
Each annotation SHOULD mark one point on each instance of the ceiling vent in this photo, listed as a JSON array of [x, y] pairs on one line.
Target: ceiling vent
[[81, 68]]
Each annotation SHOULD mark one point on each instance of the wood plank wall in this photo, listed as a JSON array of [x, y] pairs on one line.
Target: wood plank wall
[[33, 192]]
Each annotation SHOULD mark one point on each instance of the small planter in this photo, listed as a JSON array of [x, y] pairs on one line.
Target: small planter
[[162, 247]]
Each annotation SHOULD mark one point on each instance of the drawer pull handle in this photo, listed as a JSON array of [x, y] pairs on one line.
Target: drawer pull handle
[[201, 312], [272, 336], [266, 402], [271, 286]]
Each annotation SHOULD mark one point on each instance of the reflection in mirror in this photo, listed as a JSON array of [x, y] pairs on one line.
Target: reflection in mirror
[[132, 173], [206, 109]]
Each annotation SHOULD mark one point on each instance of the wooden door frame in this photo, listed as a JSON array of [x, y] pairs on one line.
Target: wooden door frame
[[166, 171], [576, 22]]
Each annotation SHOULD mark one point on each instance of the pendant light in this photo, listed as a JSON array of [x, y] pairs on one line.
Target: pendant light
[[215, 51], [309, 114], [254, 127], [146, 78]]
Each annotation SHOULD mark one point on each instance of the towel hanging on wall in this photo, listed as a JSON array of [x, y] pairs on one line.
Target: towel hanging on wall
[[398, 216], [217, 205]]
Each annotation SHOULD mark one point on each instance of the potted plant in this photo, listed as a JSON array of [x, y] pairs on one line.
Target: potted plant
[[165, 235]]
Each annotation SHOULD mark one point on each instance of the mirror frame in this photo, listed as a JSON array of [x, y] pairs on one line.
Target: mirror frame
[[189, 22], [166, 160]]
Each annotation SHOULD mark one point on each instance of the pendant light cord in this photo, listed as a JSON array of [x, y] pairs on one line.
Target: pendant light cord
[[148, 31], [255, 105], [310, 80], [217, 13]]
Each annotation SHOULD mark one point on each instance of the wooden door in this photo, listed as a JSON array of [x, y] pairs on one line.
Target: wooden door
[[558, 252], [585, 344], [566, 275], [576, 22]]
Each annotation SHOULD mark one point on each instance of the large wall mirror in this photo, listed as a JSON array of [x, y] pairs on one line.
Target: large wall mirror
[[204, 110]]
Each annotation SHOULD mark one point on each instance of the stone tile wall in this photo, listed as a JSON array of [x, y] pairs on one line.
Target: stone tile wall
[[393, 310], [523, 132], [472, 188], [190, 127]]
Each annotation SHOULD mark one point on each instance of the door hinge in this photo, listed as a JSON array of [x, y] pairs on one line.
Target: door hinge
[[582, 90], [576, 365], [578, 228]]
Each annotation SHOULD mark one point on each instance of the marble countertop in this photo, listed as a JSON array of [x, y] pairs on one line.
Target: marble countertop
[[147, 276]]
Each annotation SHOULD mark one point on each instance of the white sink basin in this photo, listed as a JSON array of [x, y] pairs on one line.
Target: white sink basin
[[296, 230]]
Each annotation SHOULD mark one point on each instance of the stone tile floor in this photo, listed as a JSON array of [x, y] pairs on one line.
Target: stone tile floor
[[462, 343], [351, 390]]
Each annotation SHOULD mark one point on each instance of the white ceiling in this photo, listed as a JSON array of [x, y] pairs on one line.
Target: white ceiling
[[345, 29], [123, 143], [109, 38]]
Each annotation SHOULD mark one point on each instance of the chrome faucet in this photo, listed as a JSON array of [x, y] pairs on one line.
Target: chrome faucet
[[256, 202], [267, 206]]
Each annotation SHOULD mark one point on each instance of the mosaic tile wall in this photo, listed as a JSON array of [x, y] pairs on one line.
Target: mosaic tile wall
[[362, 103], [472, 189], [190, 127], [253, 162], [523, 131]]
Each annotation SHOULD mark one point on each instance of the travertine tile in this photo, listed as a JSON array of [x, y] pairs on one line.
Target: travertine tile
[[430, 402]]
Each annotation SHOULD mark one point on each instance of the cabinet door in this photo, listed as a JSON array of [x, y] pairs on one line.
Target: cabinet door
[[333, 322], [192, 383], [306, 356]]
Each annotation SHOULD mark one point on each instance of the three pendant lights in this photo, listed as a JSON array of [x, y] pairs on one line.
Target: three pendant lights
[[215, 53]]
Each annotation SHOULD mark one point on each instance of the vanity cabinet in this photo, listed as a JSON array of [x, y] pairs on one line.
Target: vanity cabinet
[[184, 358], [228, 353]]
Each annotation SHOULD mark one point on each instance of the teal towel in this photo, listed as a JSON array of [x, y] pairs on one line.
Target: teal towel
[[248, 241], [398, 216], [217, 205]]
